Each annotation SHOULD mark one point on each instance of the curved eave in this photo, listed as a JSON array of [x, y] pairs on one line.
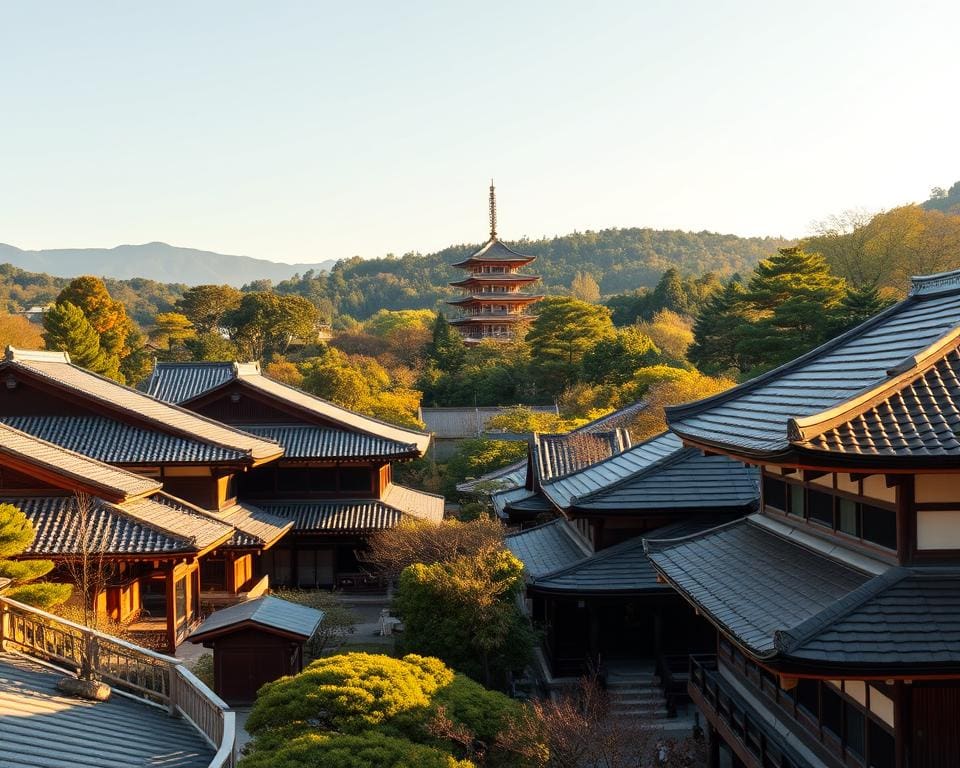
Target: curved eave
[[492, 319], [479, 298], [491, 280]]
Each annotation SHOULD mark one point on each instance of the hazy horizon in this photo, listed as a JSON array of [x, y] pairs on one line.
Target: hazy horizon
[[302, 132]]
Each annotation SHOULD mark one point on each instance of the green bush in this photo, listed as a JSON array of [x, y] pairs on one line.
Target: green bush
[[363, 750]]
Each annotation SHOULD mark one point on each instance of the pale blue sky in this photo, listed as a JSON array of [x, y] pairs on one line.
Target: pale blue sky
[[300, 131]]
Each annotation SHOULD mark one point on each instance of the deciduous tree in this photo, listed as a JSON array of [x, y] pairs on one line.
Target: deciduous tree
[[207, 305]]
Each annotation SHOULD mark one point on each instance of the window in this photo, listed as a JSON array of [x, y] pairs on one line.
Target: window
[[796, 500], [879, 525], [180, 599], [355, 480], [848, 521], [323, 480], [775, 493], [820, 507], [258, 481], [293, 479]]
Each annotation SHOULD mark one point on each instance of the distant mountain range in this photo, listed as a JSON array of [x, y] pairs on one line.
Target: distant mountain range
[[155, 261]]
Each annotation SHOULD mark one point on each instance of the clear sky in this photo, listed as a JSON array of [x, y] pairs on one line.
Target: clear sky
[[301, 131]]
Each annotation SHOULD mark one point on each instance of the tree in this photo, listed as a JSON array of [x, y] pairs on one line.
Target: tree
[[717, 332], [17, 331], [284, 371], [338, 620], [265, 324], [447, 350], [614, 359], [207, 305], [417, 541], [211, 347], [564, 331], [67, 329], [857, 306], [464, 612], [171, 330], [108, 316], [671, 333], [16, 536], [585, 288], [793, 299], [686, 387], [477, 456]]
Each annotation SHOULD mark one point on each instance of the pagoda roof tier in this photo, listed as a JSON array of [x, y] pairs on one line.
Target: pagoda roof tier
[[494, 298], [887, 392], [494, 279], [495, 251], [486, 317]]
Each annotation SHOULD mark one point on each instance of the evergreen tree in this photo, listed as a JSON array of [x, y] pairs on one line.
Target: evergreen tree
[[67, 329], [16, 534], [615, 359], [858, 306], [447, 350], [793, 300], [718, 330]]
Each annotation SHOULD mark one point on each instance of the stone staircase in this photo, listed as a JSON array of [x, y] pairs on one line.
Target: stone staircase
[[636, 695]]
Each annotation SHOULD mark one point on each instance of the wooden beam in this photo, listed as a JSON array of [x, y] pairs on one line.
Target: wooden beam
[[788, 683], [812, 474]]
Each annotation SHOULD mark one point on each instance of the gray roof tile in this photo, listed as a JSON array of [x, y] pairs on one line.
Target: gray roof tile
[[43, 727], [547, 548], [267, 611], [116, 442], [755, 416], [305, 441]]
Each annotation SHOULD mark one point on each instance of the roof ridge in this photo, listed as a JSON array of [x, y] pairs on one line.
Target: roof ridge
[[675, 456], [82, 457], [659, 545], [910, 370], [164, 425], [788, 640], [679, 412]]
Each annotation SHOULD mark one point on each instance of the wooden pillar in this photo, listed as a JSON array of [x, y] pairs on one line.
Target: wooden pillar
[[905, 519], [171, 608]]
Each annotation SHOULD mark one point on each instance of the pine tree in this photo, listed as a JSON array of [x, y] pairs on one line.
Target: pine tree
[[67, 329], [793, 300], [858, 306], [447, 350], [718, 330], [16, 534]]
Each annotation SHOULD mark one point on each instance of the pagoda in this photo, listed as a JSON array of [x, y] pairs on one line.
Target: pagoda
[[494, 304]]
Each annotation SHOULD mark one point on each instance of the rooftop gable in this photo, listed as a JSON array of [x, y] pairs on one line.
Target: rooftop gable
[[68, 470], [55, 368], [777, 411], [271, 613], [189, 381]]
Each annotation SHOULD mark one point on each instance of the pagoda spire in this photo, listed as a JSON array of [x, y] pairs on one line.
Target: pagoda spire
[[493, 212]]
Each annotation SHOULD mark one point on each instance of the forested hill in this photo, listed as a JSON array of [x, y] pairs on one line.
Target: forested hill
[[620, 260], [154, 261]]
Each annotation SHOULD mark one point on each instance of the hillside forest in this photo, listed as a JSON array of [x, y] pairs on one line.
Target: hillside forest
[[693, 316]]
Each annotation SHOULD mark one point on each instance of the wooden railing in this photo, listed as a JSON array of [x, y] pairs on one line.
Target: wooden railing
[[754, 736], [152, 676], [674, 675]]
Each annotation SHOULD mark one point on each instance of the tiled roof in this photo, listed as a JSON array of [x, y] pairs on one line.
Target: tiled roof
[[622, 568], [117, 442], [150, 525], [505, 478], [56, 369], [622, 418], [917, 418], [507, 498], [752, 581], [73, 467], [596, 475], [187, 381], [844, 378], [305, 441], [43, 727], [457, 423], [267, 611], [685, 479], [349, 515], [559, 455], [494, 250], [254, 526], [547, 548]]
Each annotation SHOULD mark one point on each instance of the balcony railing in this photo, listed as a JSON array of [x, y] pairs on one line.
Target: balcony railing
[[725, 706], [146, 674]]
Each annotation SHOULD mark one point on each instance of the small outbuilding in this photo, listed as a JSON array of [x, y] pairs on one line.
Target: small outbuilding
[[254, 643]]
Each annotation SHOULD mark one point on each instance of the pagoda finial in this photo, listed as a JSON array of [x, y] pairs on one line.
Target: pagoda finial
[[493, 211]]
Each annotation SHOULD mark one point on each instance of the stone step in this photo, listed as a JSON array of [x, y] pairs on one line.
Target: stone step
[[644, 679], [620, 687], [646, 713], [653, 698]]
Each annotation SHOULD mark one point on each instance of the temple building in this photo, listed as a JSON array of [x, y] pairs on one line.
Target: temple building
[[837, 604], [334, 483], [494, 305]]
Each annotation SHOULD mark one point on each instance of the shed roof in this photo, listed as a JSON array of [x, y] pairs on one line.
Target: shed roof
[[270, 613], [73, 469], [183, 382], [896, 371], [43, 727], [56, 369]]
